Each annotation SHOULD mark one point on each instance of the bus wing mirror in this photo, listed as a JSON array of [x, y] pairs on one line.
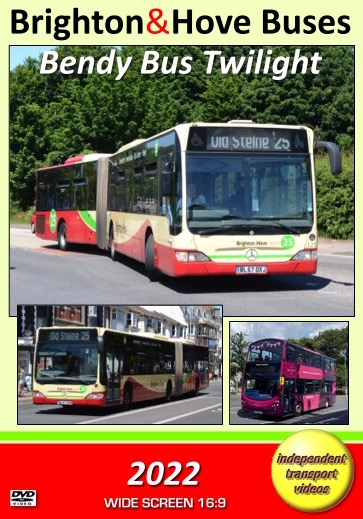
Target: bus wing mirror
[[335, 157], [100, 344], [166, 177]]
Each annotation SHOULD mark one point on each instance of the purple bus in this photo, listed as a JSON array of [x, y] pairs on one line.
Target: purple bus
[[281, 378]]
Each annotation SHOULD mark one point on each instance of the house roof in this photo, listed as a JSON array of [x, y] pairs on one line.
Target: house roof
[[173, 313]]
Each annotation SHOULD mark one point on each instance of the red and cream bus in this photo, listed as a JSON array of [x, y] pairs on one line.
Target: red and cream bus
[[67, 197], [281, 378], [212, 199], [103, 367]]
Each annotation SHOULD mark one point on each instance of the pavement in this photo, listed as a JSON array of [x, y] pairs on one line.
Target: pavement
[[26, 397], [336, 247], [325, 245]]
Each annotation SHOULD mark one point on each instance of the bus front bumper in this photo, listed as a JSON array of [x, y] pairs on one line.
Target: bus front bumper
[[260, 408], [179, 262], [212, 268], [92, 400]]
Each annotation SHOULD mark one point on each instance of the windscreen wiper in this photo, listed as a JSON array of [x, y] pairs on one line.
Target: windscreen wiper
[[251, 222], [292, 230]]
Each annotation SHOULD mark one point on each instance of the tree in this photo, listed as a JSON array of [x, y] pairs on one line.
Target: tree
[[238, 348], [332, 343], [57, 115]]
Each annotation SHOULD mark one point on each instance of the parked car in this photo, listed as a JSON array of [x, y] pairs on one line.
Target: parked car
[[32, 223]]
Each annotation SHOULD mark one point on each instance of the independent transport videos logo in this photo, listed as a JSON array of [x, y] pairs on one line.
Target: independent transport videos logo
[[23, 498]]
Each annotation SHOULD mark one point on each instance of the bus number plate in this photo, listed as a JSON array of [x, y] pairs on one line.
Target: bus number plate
[[64, 402], [256, 269]]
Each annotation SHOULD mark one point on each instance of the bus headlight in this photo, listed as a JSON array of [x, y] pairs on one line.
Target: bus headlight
[[95, 396], [38, 394], [185, 256], [306, 255]]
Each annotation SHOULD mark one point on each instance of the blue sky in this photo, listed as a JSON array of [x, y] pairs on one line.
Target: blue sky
[[283, 330], [19, 53]]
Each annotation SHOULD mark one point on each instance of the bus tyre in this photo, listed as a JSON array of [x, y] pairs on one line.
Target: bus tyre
[[127, 398], [151, 271], [196, 391], [113, 253], [62, 237], [327, 403], [298, 409], [169, 389]]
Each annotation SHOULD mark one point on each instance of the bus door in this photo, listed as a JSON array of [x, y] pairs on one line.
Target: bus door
[[113, 369], [289, 395]]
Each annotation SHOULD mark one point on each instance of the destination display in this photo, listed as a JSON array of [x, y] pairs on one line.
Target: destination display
[[248, 139], [71, 335]]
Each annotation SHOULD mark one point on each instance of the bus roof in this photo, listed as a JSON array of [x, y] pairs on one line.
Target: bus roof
[[77, 159], [284, 341], [130, 145], [101, 331], [182, 128]]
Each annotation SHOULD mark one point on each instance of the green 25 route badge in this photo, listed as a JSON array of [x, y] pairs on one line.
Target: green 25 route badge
[[53, 220], [287, 241]]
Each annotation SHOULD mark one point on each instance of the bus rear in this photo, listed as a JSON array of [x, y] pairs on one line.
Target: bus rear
[[193, 368], [67, 199], [67, 368]]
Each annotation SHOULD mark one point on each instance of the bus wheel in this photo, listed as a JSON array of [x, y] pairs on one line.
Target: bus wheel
[[151, 271], [196, 391], [62, 237], [113, 253], [298, 409], [327, 403], [127, 398], [169, 389]]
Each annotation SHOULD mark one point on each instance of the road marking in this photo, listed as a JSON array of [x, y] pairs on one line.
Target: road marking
[[337, 254], [184, 415], [136, 411], [56, 252], [324, 421]]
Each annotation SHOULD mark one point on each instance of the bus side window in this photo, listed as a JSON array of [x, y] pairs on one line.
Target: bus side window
[[300, 386], [290, 354]]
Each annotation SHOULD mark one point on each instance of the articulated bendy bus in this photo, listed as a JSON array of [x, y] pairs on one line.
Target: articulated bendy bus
[[102, 367], [200, 199]]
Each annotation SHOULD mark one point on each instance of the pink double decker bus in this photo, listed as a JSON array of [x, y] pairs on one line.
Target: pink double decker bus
[[281, 378]]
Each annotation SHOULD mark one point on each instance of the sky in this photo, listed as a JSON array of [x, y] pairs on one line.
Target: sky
[[19, 53], [283, 330]]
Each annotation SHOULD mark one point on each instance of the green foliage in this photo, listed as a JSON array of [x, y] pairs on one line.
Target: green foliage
[[55, 116], [335, 198], [238, 348], [333, 343]]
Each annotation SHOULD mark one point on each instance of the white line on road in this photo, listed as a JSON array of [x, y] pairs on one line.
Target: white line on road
[[349, 256], [186, 414], [136, 411]]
